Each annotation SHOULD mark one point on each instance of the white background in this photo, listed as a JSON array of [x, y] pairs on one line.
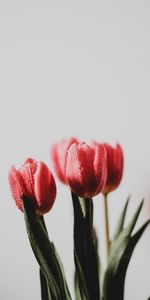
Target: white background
[[77, 68]]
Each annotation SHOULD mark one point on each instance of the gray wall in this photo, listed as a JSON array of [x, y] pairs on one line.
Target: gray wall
[[73, 68]]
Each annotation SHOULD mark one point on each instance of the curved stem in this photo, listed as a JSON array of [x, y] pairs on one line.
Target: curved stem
[[106, 220]]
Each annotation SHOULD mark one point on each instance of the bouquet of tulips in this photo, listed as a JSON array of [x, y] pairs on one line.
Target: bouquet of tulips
[[87, 170]]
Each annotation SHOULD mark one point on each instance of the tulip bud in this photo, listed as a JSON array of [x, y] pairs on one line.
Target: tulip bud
[[35, 181], [115, 163], [86, 169], [59, 156]]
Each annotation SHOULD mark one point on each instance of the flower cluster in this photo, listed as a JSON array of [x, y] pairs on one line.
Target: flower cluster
[[87, 169]]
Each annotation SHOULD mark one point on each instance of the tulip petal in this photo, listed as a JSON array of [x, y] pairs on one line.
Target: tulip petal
[[114, 167], [75, 172], [85, 169], [100, 166], [118, 160], [59, 156], [86, 156], [45, 189], [31, 161], [28, 170], [17, 185], [58, 161]]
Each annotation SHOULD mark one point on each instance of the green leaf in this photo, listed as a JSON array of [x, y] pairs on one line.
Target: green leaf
[[85, 254], [81, 279], [80, 247], [76, 287], [135, 238], [134, 219], [122, 247], [45, 289], [44, 252], [67, 293], [45, 292], [58, 259], [83, 206], [121, 220], [100, 271]]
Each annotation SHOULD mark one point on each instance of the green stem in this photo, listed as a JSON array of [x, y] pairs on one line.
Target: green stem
[[43, 223], [45, 291], [92, 267], [89, 220], [106, 220]]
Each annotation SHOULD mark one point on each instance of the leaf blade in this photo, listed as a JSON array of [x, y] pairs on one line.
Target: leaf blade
[[44, 252], [120, 254], [121, 220]]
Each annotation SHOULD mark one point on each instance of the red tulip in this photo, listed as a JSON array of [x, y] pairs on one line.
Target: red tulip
[[86, 169], [59, 156], [114, 167], [35, 181]]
